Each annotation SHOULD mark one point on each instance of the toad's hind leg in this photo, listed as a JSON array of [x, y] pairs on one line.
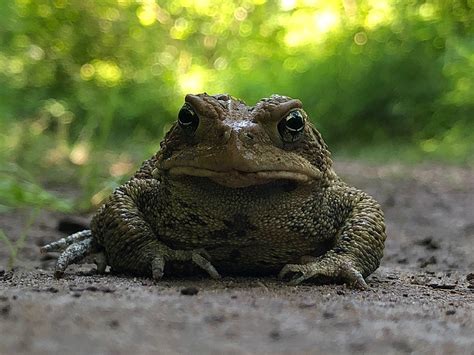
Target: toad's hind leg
[[356, 253]]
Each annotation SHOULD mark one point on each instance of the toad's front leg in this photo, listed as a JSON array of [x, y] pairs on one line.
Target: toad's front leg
[[357, 251], [130, 244]]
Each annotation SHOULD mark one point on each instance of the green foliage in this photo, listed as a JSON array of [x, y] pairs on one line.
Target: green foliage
[[17, 189], [89, 87]]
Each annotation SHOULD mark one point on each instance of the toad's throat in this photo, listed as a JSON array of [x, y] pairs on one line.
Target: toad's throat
[[237, 178]]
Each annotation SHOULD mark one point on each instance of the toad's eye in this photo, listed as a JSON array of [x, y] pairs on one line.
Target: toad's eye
[[292, 126], [188, 120]]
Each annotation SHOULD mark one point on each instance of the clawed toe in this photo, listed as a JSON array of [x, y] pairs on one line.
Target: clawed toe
[[100, 259], [355, 279], [157, 267], [200, 257], [63, 243], [297, 273], [206, 265]]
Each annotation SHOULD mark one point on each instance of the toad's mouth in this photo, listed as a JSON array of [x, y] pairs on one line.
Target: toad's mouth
[[238, 178]]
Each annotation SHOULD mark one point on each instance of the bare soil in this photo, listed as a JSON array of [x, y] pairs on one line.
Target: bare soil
[[420, 300]]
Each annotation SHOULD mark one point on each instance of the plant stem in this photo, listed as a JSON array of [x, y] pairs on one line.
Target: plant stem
[[15, 247]]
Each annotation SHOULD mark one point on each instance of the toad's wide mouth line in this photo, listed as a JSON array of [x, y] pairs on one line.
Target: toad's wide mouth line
[[259, 175]]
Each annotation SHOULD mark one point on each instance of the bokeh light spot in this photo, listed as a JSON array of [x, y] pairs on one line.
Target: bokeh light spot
[[287, 5], [55, 108], [381, 12], [180, 30], [220, 63], [427, 11], [240, 14], [87, 72], [429, 145], [147, 14], [16, 66], [245, 29], [108, 72], [192, 81], [79, 154], [326, 20], [245, 63], [360, 38], [121, 167]]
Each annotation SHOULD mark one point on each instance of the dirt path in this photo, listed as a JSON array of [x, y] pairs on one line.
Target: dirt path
[[421, 299]]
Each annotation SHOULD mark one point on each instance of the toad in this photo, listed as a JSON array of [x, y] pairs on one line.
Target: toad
[[235, 190]]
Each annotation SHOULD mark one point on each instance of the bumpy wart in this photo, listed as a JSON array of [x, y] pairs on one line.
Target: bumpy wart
[[235, 189]]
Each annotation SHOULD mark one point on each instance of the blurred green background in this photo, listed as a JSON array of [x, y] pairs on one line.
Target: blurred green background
[[88, 88]]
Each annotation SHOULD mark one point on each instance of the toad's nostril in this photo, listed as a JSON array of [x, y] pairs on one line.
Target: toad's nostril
[[222, 97]]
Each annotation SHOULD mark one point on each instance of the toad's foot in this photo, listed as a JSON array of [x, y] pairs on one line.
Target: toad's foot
[[76, 248], [198, 256], [337, 270]]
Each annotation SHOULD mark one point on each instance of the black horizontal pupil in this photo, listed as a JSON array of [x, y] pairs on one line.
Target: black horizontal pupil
[[186, 116], [188, 119], [291, 127], [295, 122]]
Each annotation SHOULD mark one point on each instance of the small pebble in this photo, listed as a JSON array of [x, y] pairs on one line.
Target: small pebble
[[189, 291], [114, 324], [450, 312], [424, 262], [328, 315], [429, 243], [275, 334], [5, 310], [106, 290], [215, 319], [303, 305]]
